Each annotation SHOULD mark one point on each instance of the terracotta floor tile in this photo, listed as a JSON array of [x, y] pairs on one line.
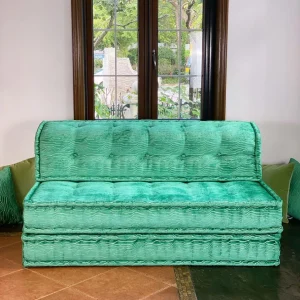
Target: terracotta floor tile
[[26, 285], [70, 275], [120, 283], [165, 274], [68, 294], [8, 240], [8, 266], [12, 252], [170, 293]]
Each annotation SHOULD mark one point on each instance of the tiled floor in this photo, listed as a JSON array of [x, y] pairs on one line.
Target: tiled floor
[[83, 283]]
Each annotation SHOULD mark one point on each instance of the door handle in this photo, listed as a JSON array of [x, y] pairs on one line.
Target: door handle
[[154, 58]]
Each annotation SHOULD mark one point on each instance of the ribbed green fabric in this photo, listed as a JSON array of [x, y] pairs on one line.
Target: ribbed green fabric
[[131, 207], [123, 192], [9, 210], [155, 249], [129, 150]]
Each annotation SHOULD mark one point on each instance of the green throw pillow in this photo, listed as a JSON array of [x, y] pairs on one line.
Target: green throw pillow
[[23, 174], [9, 210], [278, 178], [294, 199]]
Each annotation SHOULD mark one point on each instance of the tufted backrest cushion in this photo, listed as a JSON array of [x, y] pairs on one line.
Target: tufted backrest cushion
[[146, 150]]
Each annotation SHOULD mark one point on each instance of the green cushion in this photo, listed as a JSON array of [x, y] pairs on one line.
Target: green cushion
[[9, 211], [144, 207], [278, 178], [151, 249], [144, 150], [294, 199], [23, 174]]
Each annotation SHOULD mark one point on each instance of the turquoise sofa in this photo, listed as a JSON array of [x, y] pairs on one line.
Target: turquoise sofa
[[126, 192]]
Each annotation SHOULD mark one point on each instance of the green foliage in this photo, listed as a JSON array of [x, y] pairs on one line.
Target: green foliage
[[104, 18], [168, 102], [101, 108], [133, 56], [165, 67], [166, 54], [98, 64]]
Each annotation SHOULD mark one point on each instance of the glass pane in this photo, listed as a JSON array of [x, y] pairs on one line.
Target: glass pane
[[179, 97], [127, 52], [191, 14], [169, 14], [191, 53], [104, 53], [105, 88], [127, 96], [179, 59], [167, 53], [180, 14], [168, 96], [104, 14], [116, 97], [190, 97], [127, 14], [115, 58]]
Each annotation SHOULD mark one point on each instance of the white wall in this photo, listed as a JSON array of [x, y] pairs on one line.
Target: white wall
[[264, 72], [35, 71]]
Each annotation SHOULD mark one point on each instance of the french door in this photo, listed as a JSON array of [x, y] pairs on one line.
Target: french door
[[149, 59]]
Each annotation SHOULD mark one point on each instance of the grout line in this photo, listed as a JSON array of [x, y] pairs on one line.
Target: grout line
[[1, 247], [11, 273], [158, 291], [152, 277], [35, 272], [90, 278], [64, 290], [68, 286], [74, 288], [13, 261], [52, 293]]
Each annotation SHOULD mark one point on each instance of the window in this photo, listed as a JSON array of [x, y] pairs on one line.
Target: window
[[149, 59]]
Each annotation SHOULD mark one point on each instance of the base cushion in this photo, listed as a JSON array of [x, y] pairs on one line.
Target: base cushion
[[151, 249], [159, 207]]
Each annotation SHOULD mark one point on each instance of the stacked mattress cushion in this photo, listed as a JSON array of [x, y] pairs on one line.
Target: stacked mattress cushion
[[150, 193]]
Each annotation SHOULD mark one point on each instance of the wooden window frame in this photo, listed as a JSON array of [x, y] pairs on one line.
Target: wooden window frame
[[215, 33]]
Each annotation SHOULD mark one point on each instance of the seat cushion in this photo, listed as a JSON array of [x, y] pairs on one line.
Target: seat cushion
[[158, 207]]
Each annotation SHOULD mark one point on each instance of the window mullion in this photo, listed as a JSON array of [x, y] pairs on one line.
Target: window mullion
[[152, 69], [143, 82]]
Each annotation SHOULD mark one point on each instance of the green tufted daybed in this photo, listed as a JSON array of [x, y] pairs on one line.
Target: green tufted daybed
[[131, 192]]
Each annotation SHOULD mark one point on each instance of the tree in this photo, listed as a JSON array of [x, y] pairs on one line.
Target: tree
[[104, 19]]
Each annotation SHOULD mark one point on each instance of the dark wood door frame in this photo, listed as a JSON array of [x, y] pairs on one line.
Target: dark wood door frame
[[214, 66], [215, 31], [147, 85], [78, 60], [220, 74]]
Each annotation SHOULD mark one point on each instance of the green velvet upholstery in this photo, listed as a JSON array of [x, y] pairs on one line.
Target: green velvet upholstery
[[9, 210], [147, 151], [151, 249], [131, 207], [150, 193]]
